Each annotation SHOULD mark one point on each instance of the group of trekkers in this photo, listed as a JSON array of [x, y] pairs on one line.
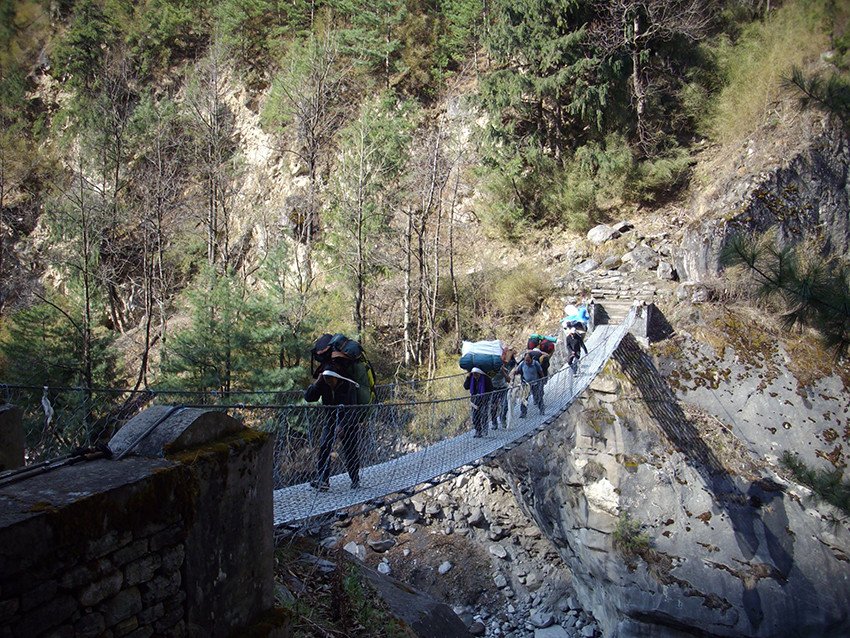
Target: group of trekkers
[[345, 384], [490, 395]]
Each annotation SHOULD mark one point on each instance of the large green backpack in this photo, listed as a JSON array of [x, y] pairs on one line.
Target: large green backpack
[[351, 351], [365, 376]]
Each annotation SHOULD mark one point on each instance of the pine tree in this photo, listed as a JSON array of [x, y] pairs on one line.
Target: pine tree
[[373, 36], [812, 293], [232, 342], [548, 86], [373, 152]]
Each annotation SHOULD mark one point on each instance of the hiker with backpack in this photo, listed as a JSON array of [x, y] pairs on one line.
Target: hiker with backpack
[[501, 387], [574, 344], [480, 388], [345, 383], [341, 417], [531, 374]]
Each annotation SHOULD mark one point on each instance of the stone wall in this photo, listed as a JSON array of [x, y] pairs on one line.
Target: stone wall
[[173, 546]]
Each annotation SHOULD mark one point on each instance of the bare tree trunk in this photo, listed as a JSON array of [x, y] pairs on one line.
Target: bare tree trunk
[[455, 292], [408, 290], [639, 89], [360, 260], [420, 289], [435, 291], [3, 173], [86, 271]]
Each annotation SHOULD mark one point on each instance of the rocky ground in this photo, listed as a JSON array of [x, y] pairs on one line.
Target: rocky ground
[[468, 544]]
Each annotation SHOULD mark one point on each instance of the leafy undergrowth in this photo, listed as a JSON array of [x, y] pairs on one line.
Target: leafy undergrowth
[[330, 603], [827, 485]]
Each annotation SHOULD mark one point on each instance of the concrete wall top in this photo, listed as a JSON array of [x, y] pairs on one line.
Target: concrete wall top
[[46, 493]]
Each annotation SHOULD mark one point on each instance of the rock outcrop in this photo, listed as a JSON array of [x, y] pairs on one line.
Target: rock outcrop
[[727, 545], [801, 189]]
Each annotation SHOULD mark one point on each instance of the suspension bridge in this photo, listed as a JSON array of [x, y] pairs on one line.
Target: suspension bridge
[[457, 449], [418, 435]]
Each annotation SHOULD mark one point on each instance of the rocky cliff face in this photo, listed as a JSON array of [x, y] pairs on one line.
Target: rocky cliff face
[[734, 548], [798, 183]]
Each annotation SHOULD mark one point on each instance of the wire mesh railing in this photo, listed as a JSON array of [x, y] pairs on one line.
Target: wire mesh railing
[[421, 429], [58, 420]]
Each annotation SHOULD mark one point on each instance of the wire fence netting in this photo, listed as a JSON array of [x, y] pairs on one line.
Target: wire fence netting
[[61, 420], [418, 432]]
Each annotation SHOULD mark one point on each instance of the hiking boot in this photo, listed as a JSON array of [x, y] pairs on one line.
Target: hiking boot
[[322, 486]]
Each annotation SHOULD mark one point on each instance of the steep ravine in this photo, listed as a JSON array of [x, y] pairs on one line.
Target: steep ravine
[[735, 549]]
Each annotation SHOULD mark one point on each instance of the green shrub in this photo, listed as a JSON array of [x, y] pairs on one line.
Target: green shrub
[[519, 291], [657, 177], [603, 176], [756, 65], [827, 485], [628, 539]]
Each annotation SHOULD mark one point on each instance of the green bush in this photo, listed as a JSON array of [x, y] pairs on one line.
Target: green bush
[[628, 539], [657, 177], [827, 485], [603, 176], [520, 291]]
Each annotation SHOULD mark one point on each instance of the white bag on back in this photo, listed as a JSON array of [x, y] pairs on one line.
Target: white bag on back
[[482, 347]]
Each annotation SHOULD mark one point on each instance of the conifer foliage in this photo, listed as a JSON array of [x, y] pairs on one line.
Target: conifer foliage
[[813, 293]]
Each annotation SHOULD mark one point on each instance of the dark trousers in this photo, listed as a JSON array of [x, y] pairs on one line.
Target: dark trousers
[[536, 388], [480, 414], [344, 422], [499, 406]]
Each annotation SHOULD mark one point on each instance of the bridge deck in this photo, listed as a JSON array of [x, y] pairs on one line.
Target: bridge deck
[[300, 502]]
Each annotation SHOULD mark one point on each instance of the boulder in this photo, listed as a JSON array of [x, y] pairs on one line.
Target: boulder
[[384, 568], [606, 385], [586, 266], [642, 258], [358, 551], [382, 545], [496, 533], [602, 233], [665, 271], [541, 619], [433, 509], [612, 262], [476, 518], [498, 551], [622, 226], [556, 631], [445, 567]]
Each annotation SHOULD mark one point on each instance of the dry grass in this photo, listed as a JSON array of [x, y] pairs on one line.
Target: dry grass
[[758, 63]]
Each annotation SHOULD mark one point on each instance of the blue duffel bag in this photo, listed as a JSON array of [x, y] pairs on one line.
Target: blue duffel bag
[[487, 362]]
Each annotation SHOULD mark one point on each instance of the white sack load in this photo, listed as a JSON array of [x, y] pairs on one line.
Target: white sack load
[[482, 347]]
